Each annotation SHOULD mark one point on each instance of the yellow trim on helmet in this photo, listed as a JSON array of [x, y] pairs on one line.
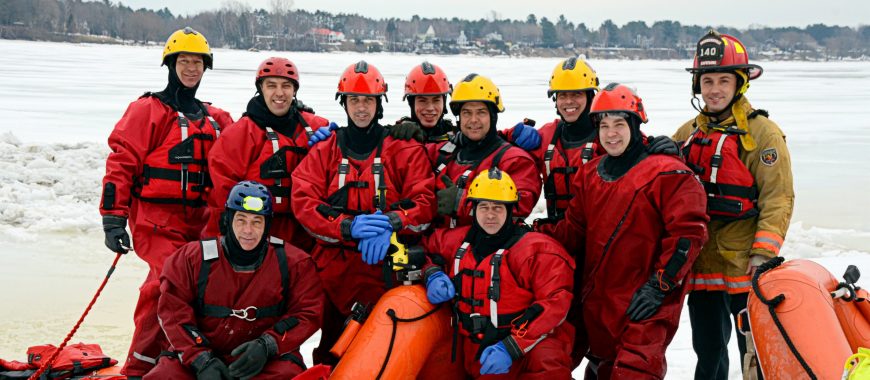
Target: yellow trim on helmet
[[188, 41], [475, 88], [745, 76], [493, 185], [572, 74]]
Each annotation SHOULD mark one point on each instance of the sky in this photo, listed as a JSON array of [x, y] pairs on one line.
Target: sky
[[735, 13]]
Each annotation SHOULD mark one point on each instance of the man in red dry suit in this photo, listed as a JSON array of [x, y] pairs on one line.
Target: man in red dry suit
[[156, 177]]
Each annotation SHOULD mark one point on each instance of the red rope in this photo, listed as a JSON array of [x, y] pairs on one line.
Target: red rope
[[47, 364]]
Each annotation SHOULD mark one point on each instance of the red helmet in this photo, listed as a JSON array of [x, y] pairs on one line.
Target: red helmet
[[361, 79], [722, 53], [426, 79], [618, 98], [278, 67]]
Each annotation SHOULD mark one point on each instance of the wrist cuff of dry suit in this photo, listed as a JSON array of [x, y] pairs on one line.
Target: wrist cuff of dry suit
[[513, 348], [114, 221], [201, 361], [395, 221], [345, 229], [270, 343]]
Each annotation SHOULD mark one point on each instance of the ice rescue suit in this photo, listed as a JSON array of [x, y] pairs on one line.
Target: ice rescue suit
[[762, 151], [531, 294], [625, 229], [559, 160], [199, 284], [448, 160], [156, 176], [248, 151], [402, 190]]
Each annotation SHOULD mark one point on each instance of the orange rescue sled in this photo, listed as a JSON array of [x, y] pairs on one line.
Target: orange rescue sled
[[404, 337], [801, 322]]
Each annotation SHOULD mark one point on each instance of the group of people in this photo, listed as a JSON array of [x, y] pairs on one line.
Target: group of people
[[261, 231]]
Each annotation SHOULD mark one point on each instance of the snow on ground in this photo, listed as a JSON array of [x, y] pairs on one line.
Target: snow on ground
[[57, 110]]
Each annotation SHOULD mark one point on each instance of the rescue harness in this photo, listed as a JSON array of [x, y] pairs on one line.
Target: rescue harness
[[486, 330], [337, 202], [210, 253], [184, 155], [550, 193], [275, 167], [714, 156], [447, 153]]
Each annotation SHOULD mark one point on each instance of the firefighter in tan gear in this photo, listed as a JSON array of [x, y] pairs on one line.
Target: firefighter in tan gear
[[742, 160]]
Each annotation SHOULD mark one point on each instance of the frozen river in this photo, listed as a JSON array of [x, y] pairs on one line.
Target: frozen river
[[58, 103]]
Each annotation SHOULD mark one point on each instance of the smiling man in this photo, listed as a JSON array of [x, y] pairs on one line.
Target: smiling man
[[513, 288], [570, 141], [157, 177], [240, 305], [266, 145], [741, 158], [477, 102], [426, 90], [356, 189], [637, 223]]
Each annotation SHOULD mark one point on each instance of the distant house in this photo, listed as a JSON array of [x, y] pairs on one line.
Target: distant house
[[494, 36], [324, 35], [462, 40]]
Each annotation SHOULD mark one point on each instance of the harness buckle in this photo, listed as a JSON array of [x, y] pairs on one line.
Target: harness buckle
[[249, 313]]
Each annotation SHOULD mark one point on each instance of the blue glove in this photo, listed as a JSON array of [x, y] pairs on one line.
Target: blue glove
[[439, 288], [374, 249], [526, 136], [370, 225], [495, 360], [322, 134]]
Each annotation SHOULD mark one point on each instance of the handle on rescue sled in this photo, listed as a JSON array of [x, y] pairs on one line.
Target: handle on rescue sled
[[358, 315], [47, 364], [847, 290], [772, 303]]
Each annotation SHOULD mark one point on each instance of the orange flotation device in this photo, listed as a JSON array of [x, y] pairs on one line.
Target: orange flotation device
[[801, 324], [403, 337]]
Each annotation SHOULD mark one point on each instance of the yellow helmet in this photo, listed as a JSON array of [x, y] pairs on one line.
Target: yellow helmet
[[189, 41], [572, 74], [475, 88], [493, 185]]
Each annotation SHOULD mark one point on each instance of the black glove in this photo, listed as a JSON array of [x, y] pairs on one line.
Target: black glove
[[117, 238], [252, 357], [210, 368], [447, 197], [662, 145], [302, 107], [407, 130], [646, 301]]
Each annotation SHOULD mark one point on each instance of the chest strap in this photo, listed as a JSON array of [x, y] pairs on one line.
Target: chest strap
[[462, 181], [550, 193], [380, 197], [210, 253], [275, 167]]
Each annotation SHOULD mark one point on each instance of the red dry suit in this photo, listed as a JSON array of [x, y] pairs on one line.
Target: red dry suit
[[247, 151], [331, 185], [156, 177], [524, 307], [207, 305], [558, 161], [627, 229], [510, 159]]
